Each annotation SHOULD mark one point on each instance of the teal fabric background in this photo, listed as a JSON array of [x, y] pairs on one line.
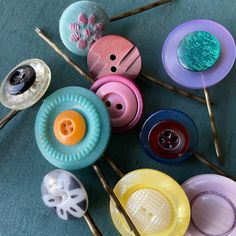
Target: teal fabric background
[[22, 167]]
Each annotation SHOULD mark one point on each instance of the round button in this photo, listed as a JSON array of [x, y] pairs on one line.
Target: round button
[[198, 51], [157, 207], [198, 54], [122, 99], [169, 136], [212, 199], [169, 139], [81, 25], [114, 54], [74, 145], [69, 127], [25, 84], [64, 194], [20, 80]]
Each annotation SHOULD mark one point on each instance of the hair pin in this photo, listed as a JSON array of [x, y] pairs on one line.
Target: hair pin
[[139, 10], [199, 54], [167, 86], [72, 132]]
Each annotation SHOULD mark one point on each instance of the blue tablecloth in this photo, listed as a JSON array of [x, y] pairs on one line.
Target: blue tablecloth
[[22, 167]]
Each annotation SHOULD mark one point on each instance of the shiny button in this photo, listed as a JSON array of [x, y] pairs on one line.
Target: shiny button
[[122, 99], [169, 136], [198, 54], [169, 139], [64, 194], [114, 54], [198, 51], [156, 204], [213, 205], [25, 84], [20, 80], [69, 127]]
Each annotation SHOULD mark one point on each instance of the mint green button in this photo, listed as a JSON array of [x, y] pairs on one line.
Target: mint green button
[[198, 51]]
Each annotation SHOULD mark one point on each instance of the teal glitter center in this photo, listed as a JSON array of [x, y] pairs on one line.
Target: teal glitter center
[[198, 51]]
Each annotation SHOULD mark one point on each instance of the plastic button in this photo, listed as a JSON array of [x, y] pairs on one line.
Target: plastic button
[[20, 80], [213, 205], [81, 25], [74, 145], [169, 136], [198, 54], [25, 84], [156, 204], [69, 127], [122, 99], [169, 139], [198, 51], [63, 193], [116, 55]]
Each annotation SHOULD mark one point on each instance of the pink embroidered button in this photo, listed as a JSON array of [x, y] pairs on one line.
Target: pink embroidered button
[[123, 100], [116, 55]]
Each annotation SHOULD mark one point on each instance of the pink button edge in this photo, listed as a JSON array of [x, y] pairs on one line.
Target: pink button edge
[[117, 78]]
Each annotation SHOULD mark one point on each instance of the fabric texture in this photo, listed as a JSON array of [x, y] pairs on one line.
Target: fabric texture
[[22, 167]]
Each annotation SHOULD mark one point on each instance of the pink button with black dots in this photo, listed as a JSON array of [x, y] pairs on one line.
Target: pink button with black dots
[[123, 100], [114, 54]]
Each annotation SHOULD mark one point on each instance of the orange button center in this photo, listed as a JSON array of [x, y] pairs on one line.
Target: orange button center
[[69, 127]]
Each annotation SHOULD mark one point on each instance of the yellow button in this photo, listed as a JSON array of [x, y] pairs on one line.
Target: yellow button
[[156, 204], [69, 127]]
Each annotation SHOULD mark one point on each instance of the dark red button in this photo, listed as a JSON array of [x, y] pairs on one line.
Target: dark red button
[[169, 139]]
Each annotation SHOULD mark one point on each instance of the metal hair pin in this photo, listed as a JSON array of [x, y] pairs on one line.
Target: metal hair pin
[[172, 88]]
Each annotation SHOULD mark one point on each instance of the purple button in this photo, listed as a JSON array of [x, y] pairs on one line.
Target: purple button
[[123, 100], [213, 205], [116, 55], [210, 77]]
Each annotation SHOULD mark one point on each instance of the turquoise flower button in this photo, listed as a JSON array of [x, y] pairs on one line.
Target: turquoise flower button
[[198, 51], [81, 25]]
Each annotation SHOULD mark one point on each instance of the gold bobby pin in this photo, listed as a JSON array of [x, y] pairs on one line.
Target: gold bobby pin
[[95, 166], [139, 10]]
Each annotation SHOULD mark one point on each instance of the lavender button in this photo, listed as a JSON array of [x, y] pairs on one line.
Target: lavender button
[[202, 79], [213, 200]]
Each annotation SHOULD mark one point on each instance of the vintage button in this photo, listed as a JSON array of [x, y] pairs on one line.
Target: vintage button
[[25, 84], [116, 55], [198, 54], [213, 205], [157, 207], [20, 80], [81, 24], [69, 127], [169, 139], [198, 51], [122, 99], [64, 194], [169, 136], [89, 145]]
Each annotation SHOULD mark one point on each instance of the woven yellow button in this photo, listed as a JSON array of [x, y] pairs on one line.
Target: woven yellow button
[[156, 204], [69, 127]]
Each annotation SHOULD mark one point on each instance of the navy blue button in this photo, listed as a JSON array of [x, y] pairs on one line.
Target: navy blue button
[[20, 80], [169, 136]]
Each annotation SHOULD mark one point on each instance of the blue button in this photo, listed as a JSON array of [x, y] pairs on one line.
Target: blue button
[[173, 140]]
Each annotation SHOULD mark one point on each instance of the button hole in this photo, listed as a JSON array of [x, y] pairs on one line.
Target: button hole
[[119, 106], [73, 209], [113, 69], [108, 103], [113, 57]]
